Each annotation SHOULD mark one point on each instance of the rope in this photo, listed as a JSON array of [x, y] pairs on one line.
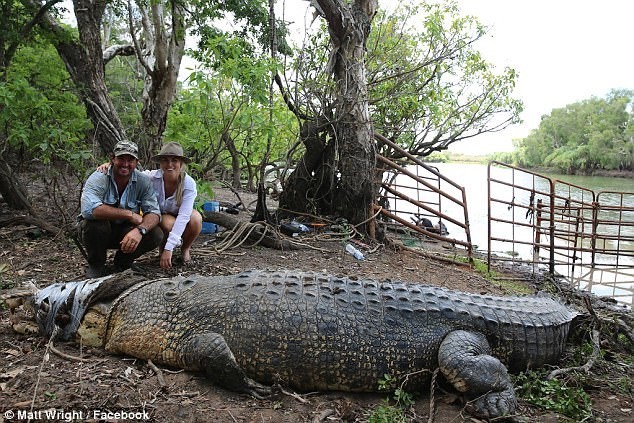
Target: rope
[[432, 396], [241, 232]]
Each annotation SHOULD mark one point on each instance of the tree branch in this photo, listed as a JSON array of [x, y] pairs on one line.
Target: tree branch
[[117, 50]]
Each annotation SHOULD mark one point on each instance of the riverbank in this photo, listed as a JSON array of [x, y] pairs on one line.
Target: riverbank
[[451, 157], [626, 174]]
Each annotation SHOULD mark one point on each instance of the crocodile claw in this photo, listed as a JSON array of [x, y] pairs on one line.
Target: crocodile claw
[[257, 390], [493, 405]]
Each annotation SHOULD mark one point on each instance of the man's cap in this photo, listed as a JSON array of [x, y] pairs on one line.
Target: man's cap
[[126, 147], [171, 149]]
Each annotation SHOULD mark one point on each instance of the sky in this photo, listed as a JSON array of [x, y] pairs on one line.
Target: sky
[[564, 51]]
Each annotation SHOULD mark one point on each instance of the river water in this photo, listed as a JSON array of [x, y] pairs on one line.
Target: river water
[[473, 177]]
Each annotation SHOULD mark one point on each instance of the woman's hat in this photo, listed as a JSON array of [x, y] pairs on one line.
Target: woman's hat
[[171, 149]]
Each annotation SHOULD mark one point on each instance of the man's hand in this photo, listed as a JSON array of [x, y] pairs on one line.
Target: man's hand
[[131, 240]]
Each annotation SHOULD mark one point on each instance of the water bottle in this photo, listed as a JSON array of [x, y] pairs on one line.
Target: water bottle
[[350, 249]]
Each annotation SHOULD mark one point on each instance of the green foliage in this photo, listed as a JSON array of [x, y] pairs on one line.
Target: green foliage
[[387, 412], [216, 105], [125, 85], [40, 113], [597, 133], [205, 191], [249, 22], [553, 395], [437, 157], [428, 85]]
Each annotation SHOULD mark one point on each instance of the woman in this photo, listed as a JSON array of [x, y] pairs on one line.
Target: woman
[[176, 192]]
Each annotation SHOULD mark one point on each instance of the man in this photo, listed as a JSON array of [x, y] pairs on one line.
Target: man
[[119, 210]]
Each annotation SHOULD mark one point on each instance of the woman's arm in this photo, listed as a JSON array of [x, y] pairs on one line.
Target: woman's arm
[[184, 213]]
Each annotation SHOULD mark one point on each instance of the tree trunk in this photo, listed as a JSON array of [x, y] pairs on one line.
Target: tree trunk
[[322, 184], [11, 189], [236, 171], [310, 188], [161, 58], [354, 131], [84, 62]]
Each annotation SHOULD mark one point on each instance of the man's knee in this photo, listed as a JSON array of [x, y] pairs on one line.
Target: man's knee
[[94, 231], [154, 238]]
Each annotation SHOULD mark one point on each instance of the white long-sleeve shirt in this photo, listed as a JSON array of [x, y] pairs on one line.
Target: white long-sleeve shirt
[[169, 206]]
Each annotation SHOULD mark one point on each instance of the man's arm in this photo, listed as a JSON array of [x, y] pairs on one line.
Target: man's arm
[[150, 220], [106, 212]]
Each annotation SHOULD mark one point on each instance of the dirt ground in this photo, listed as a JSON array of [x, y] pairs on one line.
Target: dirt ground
[[87, 384]]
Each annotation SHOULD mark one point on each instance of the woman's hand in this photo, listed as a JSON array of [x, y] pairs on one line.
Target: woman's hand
[[166, 259], [103, 168]]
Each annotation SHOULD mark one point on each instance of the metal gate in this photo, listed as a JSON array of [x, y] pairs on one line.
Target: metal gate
[[585, 236], [412, 192]]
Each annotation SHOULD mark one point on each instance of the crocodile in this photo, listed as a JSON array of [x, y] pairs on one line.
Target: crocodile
[[312, 331]]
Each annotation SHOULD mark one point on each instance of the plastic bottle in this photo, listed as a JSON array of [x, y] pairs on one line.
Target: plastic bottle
[[300, 226], [350, 249]]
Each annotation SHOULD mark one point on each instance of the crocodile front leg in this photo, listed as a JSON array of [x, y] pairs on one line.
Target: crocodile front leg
[[210, 353], [465, 361]]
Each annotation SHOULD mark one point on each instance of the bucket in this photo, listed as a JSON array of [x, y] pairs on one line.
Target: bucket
[[208, 227]]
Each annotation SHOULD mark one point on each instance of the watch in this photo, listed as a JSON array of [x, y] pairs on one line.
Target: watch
[[142, 230]]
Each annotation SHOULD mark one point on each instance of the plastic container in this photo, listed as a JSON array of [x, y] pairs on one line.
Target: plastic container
[[208, 227], [351, 249]]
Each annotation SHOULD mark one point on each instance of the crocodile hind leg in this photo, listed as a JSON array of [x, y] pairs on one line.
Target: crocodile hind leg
[[466, 362], [210, 353]]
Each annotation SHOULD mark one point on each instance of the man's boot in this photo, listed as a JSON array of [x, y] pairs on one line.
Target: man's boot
[[94, 235]]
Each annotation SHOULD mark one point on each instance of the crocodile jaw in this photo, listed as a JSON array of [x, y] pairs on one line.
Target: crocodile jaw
[[92, 330]]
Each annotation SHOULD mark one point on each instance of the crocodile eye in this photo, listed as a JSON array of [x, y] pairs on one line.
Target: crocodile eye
[[170, 295], [169, 284], [187, 283]]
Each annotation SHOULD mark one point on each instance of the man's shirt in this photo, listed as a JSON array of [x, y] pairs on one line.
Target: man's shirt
[[139, 195]]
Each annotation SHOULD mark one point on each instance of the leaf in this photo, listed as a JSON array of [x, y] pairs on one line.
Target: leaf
[[13, 373]]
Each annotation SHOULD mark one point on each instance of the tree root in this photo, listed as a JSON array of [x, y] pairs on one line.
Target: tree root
[[596, 352]]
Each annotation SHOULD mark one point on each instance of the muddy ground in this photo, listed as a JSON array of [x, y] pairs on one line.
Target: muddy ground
[[86, 383]]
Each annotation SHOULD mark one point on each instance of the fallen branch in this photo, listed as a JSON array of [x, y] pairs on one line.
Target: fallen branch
[[159, 374], [298, 397], [68, 356], [323, 415], [596, 352], [28, 220]]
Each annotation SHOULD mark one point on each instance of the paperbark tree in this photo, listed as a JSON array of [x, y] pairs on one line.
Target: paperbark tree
[[336, 174], [159, 45]]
